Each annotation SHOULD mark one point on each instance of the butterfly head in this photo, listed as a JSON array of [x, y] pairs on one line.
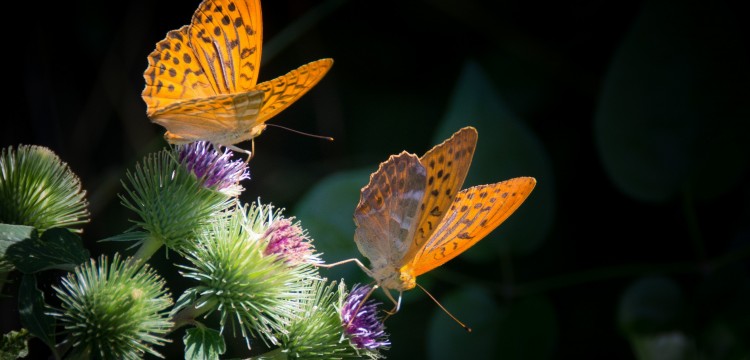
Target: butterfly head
[[407, 278], [389, 277]]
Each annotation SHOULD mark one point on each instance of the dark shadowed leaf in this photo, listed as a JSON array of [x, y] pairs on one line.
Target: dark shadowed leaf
[[58, 248], [327, 212], [32, 310], [506, 148], [11, 234], [651, 305], [523, 329], [673, 111]]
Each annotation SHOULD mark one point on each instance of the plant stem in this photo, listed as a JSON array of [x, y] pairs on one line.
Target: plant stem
[[276, 354]]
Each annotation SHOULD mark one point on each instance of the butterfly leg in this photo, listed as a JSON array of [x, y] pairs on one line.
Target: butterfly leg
[[362, 303], [397, 305], [354, 260], [236, 149]]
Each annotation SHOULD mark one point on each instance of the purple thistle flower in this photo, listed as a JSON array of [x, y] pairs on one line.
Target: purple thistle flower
[[361, 324], [216, 169], [290, 242]]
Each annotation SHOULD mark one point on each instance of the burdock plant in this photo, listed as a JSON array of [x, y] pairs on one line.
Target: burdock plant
[[113, 310], [39, 190], [177, 192], [254, 271], [255, 292], [333, 324]]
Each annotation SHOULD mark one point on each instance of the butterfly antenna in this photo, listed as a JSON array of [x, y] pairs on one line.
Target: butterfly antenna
[[468, 329], [302, 133]]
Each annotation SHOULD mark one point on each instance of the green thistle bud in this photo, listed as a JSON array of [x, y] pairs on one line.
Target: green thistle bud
[[251, 291], [172, 203], [38, 189], [330, 325], [114, 310]]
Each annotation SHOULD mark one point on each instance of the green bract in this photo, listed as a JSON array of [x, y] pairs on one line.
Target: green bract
[[317, 330], [172, 203], [38, 189], [252, 291], [113, 310]]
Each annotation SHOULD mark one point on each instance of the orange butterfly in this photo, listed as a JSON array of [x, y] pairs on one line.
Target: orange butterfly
[[201, 79], [412, 218]]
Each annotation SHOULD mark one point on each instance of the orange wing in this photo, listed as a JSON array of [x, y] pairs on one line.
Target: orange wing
[[285, 90], [173, 74], [475, 212], [222, 119], [201, 82], [447, 165], [227, 38]]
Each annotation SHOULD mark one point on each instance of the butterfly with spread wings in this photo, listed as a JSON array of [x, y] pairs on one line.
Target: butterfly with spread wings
[[413, 216], [201, 80]]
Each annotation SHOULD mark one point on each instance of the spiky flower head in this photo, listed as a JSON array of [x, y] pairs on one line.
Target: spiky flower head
[[252, 292], [113, 310], [317, 332], [173, 204], [40, 190], [362, 325], [215, 168]]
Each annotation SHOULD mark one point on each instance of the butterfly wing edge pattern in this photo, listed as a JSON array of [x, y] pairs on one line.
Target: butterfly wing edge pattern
[[474, 214]]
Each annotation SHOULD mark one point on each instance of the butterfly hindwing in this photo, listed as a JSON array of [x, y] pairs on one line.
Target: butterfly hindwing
[[388, 210], [475, 212], [225, 119]]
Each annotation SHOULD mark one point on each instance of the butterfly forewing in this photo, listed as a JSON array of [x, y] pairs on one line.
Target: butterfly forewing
[[173, 74], [447, 165], [387, 213], [226, 36], [474, 213], [285, 90]]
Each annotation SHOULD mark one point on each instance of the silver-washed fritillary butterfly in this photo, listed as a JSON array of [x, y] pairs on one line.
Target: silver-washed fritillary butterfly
[[201, 80], [412, 218]]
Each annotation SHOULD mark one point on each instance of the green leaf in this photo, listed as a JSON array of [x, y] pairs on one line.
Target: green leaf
[[203, 343], [327, 212], [9, 235], [523, 329], [58, 248], [14, 345], [506, 148], [673, 111], [650, 306], [32, 311]]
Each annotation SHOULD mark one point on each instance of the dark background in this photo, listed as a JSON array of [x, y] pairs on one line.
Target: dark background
[[633, 117]]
